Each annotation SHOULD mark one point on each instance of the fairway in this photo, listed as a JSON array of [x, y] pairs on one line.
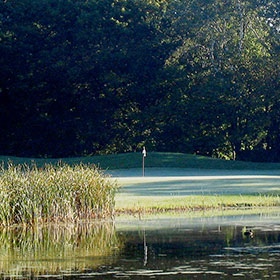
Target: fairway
[[181, 182]]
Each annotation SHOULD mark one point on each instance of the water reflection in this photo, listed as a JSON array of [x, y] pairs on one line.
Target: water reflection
[[164, 249], [211, 248], [56, 250]]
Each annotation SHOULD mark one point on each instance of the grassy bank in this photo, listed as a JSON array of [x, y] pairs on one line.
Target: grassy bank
[[30, 195], [159, 204], [154, 159]]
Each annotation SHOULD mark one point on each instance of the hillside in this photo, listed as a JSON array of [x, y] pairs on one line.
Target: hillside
[[154, 159]]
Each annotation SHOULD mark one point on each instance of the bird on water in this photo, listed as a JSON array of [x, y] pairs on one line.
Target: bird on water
[[249, 233]]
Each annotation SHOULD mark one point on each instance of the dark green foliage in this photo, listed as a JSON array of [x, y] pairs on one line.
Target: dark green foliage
[[94, 77]]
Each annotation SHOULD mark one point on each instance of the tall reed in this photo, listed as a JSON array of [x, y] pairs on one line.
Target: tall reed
[[59, 192]]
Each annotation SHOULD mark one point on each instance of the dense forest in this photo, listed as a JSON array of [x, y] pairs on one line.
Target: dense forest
[[86, 77]]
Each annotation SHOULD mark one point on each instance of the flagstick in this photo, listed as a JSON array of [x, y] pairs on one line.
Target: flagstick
[[143, 166], [144, 153]]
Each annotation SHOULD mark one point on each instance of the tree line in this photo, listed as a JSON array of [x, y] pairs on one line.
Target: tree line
[[86, 77]]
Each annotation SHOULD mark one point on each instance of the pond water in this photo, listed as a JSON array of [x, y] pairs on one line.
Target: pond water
[[150, 248]]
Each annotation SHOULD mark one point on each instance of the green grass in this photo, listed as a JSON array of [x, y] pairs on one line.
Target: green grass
[[31, 195], [156, 204], [154, 159]]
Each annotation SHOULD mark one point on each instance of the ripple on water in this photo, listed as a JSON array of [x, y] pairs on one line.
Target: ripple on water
[[274, 248]]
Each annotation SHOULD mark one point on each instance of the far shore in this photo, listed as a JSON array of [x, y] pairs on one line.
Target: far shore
[[182, 189]]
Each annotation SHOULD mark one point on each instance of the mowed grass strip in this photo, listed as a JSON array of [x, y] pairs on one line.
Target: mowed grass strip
[[157, 204]]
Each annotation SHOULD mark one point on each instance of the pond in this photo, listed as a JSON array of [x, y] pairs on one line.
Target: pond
[[163, 247]]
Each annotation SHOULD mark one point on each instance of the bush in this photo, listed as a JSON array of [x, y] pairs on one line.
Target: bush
[[54, 193]]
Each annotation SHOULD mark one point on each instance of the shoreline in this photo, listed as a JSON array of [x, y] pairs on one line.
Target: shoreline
[[188, 190]]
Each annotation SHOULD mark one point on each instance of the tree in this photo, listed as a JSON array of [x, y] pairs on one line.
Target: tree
[[91, 77]]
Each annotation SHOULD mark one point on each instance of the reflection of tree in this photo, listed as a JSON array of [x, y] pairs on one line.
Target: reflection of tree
[[52, 249]]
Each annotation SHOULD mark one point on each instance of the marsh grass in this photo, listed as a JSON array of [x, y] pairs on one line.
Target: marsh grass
[[60, 192]]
